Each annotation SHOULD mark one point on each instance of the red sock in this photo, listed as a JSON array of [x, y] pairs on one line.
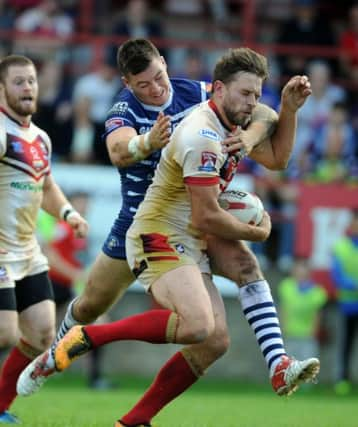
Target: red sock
[[172, 380], [12, 367], [150, 326]]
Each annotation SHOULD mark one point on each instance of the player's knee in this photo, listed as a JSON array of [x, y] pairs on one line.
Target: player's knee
[[7, 339], [198, 329], [8, 334], [43, 337], [219, 344], [248, 270]]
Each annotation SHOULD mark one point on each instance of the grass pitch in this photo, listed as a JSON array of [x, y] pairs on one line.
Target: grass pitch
[[66, 402]]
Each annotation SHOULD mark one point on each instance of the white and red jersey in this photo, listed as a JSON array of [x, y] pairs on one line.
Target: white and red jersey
[[24, 162], [193, 156]]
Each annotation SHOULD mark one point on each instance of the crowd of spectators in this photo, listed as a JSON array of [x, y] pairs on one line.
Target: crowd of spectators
[[78, 84]]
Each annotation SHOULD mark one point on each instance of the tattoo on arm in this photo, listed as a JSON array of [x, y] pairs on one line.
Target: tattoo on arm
[[268, 117]]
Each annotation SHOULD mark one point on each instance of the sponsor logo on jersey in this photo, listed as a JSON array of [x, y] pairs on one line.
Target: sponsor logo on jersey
[[208, 133], [27, 186], [208, 161], [119, 108]]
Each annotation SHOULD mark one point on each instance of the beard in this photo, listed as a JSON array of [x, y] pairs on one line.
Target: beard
[[17, 105], [234, 116]]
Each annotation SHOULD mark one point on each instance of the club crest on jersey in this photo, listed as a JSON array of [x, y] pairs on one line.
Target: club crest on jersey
[[112, 242], [180, 248], [208, 161], [113, 123], [208, 133]]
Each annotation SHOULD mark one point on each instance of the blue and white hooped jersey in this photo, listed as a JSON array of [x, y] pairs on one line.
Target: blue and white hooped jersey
[[129, 111], [135, 179]]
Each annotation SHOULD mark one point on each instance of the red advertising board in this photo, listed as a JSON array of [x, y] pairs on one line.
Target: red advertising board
[[322, 217]]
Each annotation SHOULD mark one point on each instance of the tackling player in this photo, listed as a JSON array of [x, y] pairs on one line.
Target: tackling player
[[166, 245], [26, 298], [137, 128]]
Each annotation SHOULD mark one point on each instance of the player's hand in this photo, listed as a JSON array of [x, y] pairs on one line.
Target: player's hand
[[159, 135], [78, 224], [239, 142], [3, 251], [265, 226], [295, 93]]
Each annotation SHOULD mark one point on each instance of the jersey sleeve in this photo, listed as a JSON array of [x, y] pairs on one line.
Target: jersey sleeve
[[118, 116], [200, 157]]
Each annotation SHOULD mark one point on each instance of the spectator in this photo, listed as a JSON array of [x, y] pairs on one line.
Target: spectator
[[7, 19], [55, 111], [345, 276], [138, 21], [194, 66], [306, 27], [300, 302], [92, 98], [349, 46], [47, 19], [333, 157], [314, 114]]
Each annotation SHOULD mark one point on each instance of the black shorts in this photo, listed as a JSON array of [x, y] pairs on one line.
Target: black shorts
[[63, 294], [27, 292]]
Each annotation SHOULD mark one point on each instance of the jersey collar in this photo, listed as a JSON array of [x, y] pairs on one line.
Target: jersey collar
[[23, 125], [214, 107]]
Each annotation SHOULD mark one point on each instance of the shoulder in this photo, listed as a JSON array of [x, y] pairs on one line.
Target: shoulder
[[190, 89], [2, 134]]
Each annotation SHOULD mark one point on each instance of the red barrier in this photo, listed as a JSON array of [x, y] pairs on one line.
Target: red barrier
[[323, 216]]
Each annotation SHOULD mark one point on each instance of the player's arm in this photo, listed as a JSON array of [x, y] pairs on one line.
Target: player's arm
[[274, 153], [56, 204], [262, 126], [126, 147], [209, 218]]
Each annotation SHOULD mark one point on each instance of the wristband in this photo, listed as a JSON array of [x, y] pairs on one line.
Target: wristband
[[136, 145], [66, 210]]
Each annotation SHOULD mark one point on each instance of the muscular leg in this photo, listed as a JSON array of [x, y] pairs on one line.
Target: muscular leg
[[185, 367], [109, 278], [235, 261], [188, 319], [37, 324]]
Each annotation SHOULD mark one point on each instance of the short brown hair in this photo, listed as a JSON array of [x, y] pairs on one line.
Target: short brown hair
[[9, 61], [135, 55], [240, 59]]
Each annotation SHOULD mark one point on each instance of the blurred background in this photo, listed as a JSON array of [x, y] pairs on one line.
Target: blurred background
[[313, 203]]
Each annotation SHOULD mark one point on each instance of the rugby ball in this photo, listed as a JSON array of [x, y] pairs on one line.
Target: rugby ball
[[245, 206]]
